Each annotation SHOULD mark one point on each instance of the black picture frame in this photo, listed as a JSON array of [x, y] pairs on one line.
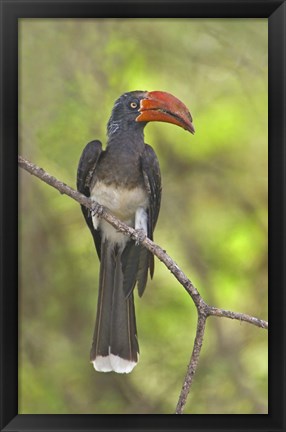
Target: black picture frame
[[11, 11]]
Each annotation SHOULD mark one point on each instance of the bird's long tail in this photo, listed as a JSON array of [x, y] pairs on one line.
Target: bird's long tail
[[115, 346]]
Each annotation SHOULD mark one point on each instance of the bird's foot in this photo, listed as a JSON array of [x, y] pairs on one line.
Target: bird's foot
[[140, 237], [96, 209]]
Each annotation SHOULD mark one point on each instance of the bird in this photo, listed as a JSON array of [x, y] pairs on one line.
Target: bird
[[125, 179]]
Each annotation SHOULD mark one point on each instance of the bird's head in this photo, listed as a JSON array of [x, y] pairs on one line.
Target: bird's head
[[133, 110]]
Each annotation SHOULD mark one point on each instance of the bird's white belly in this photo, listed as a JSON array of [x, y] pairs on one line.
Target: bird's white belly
[[125, 204]]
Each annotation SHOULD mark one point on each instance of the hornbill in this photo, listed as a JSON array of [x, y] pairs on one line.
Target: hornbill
[[125, 178]]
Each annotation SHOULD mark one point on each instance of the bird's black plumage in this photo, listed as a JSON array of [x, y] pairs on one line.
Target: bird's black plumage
[[125, 178], [85, 171]]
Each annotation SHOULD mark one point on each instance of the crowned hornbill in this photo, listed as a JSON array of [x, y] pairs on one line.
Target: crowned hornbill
[[125, 179]]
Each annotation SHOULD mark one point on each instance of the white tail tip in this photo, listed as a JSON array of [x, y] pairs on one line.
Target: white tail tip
[[113, 363]]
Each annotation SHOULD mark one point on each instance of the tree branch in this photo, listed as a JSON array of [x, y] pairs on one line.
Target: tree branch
[[203, 309], [201, 325]]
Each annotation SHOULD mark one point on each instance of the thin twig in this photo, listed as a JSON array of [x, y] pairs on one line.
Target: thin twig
[[237, 316], [116, 223], [204, 310], [193, 362]]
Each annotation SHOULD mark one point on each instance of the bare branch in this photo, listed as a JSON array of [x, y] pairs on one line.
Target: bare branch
[[237, 316], [193, 363], [203, 309], [116, 223]]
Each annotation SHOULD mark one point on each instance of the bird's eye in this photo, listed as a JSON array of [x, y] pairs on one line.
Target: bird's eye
[[133, 104]]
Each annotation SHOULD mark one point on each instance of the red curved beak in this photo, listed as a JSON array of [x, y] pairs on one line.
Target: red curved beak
[[164, 107]]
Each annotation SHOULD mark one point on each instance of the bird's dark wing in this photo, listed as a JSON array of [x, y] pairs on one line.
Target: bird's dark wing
[[136, 259], [86, 167], [152, 179]]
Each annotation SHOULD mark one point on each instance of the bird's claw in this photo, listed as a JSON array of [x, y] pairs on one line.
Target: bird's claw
[[96, 209], [141, 235]]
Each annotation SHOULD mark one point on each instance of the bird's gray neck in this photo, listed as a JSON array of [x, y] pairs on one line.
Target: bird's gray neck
[[121, 140]]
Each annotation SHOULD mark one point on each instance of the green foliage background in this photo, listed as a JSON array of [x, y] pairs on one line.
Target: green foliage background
[[213, 218]]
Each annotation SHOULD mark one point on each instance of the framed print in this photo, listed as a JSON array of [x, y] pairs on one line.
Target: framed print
[[85, 86]]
